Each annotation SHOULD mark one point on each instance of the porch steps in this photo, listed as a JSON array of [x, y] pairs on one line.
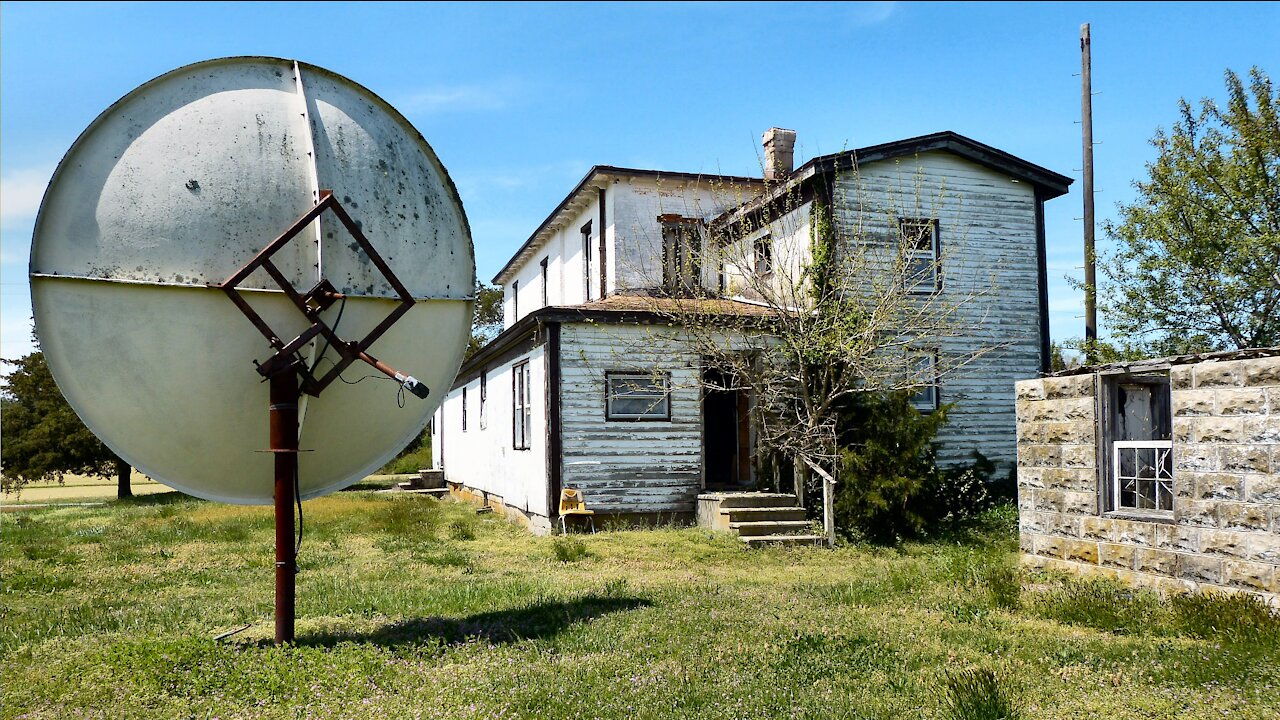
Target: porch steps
[[757, 518], [768, 527]]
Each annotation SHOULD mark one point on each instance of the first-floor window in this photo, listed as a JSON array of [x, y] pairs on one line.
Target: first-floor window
[[521, 412], [1137, 425], [484, 398], [924, 376], [638, 396], [464, 409]]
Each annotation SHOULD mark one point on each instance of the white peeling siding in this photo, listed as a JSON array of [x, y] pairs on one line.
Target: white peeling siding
[[987, 228], [640, 467], [482, 458]]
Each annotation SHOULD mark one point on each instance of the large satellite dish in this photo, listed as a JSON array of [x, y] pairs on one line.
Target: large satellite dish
[[183, 183]]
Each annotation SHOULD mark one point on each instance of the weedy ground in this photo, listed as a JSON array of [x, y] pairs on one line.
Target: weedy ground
[[409, 607]]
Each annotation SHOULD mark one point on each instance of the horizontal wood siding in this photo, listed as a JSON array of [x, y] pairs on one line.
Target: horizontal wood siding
[[482, 458], [988, 237], [634, 467]]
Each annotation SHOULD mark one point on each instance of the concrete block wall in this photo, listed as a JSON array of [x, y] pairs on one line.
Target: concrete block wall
[[1225, 529]]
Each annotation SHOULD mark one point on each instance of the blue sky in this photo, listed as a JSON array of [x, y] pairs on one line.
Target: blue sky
[[520, 100]]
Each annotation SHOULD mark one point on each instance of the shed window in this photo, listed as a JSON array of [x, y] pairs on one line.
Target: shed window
[[521, 412], [484, 398], [921, 265], [1138, 431], [464, 409], [637, 396]]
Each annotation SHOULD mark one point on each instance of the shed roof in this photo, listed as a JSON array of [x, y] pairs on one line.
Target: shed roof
[[1154, 364]]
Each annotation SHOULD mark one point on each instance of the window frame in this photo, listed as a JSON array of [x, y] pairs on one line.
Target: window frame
[[934, 387], [1109, 409], [762, 254], [681, 255], [611, 376], [586, 262], [484, 397], [544, 264], [933, 254], [521, 400]]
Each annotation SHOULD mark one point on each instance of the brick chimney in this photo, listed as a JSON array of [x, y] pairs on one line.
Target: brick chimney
[[779, 153]]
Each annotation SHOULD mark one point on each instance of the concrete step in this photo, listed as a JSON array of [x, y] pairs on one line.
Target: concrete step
[[752, 499], [769, 527], [436, 492], [762, 540], [757, 514]]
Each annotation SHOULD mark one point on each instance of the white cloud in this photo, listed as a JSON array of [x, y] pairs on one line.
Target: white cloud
[[864, 14], [20, 194], [456, 98]]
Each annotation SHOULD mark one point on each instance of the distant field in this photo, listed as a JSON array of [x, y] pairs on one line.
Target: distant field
[[409, 607], [81, 488]]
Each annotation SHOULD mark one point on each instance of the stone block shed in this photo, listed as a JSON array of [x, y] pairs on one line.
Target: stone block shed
[[1161, 473]]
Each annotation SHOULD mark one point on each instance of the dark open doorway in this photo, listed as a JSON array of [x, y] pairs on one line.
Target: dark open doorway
[[726, 433]]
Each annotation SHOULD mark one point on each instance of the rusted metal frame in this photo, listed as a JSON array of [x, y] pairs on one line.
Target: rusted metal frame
[[272, 364], [406, 298], [285, 285], [253, 316], [326, 199], [284, 397]]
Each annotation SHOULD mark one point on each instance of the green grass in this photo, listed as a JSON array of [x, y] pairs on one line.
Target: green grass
[[408, 607]]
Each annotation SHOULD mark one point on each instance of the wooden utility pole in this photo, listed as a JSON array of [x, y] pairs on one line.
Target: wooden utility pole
[[1086, 121]]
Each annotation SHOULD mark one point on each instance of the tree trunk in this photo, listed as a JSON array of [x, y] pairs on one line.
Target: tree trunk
[[123, 471]]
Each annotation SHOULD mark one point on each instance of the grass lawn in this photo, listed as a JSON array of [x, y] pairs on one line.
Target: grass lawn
[[409, 607]]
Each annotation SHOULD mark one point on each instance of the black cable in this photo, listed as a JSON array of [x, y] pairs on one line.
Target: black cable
[[336, 323], [297, 495]]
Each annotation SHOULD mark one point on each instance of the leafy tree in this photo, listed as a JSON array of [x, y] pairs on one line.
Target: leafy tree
[[43, 437], [486, 321], [1197, 261]]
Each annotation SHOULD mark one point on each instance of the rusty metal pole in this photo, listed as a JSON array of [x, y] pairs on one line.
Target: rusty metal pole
[[284, 448], [1086, 121]]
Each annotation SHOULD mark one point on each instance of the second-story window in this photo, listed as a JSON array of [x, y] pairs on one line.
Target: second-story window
[[922, 266], [544, 280], [681, 254], [515, 301], [586, 262], [763, 251]]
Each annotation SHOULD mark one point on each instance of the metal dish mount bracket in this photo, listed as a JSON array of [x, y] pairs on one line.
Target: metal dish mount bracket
[[315, 301]]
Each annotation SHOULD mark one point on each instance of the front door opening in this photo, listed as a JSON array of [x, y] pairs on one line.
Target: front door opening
[[726, 434]]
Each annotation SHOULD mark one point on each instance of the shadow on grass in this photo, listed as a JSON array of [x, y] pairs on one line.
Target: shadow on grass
[[160, 498], [531, 622]]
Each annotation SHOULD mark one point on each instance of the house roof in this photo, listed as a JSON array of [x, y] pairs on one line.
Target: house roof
[[596, 178], [1047, 183], [637, 309]]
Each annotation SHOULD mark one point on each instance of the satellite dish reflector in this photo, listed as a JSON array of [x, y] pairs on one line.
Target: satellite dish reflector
[[183, 182]]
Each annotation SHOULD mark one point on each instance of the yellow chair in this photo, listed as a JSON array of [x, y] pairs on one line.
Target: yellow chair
[[572, 503]]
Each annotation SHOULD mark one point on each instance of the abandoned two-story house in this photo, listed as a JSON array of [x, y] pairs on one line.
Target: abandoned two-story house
[[590, 388]]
